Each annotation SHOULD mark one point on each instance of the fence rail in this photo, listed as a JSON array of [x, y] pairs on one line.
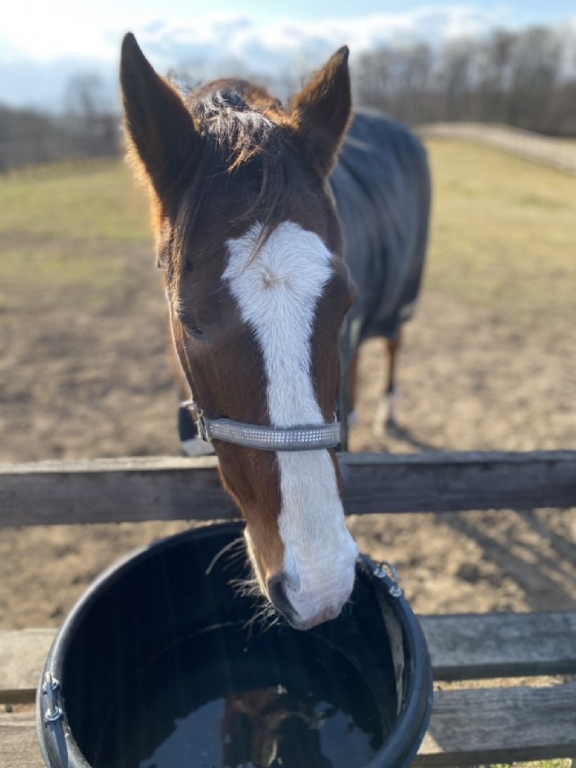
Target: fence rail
[[166, 488], [558, 153]]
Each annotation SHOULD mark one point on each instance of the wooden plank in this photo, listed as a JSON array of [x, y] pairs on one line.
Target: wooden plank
[[477, 646], [468, 728], [22, 656], [531, 146], [500, 725], [18, 741], [112, 490], [459, 481], [464, 647], [166, 488]]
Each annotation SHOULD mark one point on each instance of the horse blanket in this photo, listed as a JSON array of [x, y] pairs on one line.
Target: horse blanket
[[382, 190]]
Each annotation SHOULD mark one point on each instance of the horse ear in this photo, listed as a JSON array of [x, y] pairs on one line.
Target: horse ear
[[321, 111], [159, 128]]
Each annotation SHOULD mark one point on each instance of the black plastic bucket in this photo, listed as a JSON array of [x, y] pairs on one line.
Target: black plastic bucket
[[154, 641]]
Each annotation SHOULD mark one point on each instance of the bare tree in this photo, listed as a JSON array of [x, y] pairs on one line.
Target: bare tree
[[91, 120], [526, 79]]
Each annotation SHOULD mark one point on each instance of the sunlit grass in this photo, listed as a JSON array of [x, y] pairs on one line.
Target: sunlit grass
[[542, 764], [43, 275], [96, 200], [503, 233], [68, 231]]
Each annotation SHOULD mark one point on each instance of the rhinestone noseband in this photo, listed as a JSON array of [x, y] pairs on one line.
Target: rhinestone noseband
[[304, 438]]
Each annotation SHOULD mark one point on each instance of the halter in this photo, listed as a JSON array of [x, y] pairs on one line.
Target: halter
[[304, 438]]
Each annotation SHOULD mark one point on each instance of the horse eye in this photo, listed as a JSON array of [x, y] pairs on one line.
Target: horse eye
[[190, 325]]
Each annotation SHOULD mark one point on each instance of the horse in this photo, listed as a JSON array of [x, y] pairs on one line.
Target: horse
[[252, 252]]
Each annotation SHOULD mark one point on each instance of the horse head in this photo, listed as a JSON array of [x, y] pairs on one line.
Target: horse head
[[251, 248]]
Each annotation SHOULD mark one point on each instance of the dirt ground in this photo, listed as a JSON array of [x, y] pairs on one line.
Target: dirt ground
[[471, 379]]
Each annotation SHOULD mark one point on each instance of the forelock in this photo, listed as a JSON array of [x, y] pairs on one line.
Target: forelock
[[242, 143], [231, 125]]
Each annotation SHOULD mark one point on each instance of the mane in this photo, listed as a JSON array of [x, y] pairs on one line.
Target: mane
[[243, 144]]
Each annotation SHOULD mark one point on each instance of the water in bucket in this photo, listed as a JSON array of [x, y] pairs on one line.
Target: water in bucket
[[228, 698]]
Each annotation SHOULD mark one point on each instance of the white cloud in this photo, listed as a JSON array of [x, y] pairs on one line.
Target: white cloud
[[272, 46], [227, 44]]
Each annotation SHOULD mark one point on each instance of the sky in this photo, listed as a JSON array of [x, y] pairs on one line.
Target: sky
[[42, 44]]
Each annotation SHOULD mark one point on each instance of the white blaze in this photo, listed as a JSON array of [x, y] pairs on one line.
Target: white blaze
[[277, 294]]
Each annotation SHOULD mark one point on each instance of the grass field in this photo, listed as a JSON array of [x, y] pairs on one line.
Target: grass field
[[542, 764], [94, 200], [508, 245], [64, 231], [489, 363], [503, 233]]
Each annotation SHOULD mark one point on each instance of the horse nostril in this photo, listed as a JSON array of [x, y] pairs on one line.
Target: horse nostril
[[277, 586], [293, 583]]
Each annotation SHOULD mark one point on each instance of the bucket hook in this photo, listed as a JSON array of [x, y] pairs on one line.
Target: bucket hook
[[383, 569], [50, 688]]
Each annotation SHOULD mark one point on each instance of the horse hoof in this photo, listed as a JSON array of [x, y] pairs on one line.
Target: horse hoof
[[385, 422]]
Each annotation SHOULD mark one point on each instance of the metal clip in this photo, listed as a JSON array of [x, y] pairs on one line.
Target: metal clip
[[384, 569], [203, 428], [50, 688]]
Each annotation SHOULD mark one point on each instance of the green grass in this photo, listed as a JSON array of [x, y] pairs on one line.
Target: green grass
[[66, 229], [46, 274], [503, 232], [543, 764], [97, 200]]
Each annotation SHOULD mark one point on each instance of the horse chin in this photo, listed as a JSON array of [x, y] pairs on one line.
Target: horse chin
[[310, 612], [327, 615]]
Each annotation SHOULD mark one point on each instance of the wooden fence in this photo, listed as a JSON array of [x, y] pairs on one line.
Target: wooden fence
[[558, 153], [162, 488]]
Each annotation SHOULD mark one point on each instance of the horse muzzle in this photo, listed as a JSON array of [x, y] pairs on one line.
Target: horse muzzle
[[305, 608]]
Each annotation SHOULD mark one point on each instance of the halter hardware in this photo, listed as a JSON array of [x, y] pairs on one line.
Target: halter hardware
[[203, 427]]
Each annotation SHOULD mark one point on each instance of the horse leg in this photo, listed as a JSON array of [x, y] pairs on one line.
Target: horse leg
[[352, 388], [388, 411]]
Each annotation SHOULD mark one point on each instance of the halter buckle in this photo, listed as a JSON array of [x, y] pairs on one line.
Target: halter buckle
[[203, 427]]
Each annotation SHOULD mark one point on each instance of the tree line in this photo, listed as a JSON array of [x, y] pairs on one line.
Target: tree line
[[87, 126], [525, 79]]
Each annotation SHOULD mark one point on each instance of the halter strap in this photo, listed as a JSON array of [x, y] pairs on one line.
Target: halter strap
[[304, 438]]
